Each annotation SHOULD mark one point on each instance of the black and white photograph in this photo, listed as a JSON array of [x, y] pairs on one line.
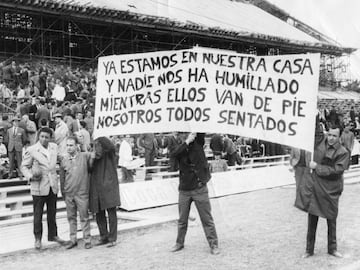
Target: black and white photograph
[[179, 134]]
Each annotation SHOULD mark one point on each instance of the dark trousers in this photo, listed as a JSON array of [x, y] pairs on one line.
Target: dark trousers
[[149, 157], [101, 221], [38, 204], [310, 238], [12, 155], [201, 198]]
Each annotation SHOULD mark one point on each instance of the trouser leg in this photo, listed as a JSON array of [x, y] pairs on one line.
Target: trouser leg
[[332, 246], [82, 203], [72, 217], [38, 206], [112, 224], [203, 206], [184, 210], [311, 233], [102, 224], [18, 161], [51, 214], [11, 155]]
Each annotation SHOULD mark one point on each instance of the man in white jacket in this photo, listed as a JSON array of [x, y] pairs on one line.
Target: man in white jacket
[[39, 167]]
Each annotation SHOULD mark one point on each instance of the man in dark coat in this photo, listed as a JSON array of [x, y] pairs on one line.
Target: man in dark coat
[[330, 161], [104, 190], [194, 174]]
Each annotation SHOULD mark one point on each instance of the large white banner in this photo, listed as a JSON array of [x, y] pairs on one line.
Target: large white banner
[[271, 98]]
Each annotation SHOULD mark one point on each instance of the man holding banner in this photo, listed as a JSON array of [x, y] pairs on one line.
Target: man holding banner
[[194, 174], [324, 187]]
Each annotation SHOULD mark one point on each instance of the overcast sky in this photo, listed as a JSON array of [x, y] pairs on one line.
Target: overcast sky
[[338, 19]]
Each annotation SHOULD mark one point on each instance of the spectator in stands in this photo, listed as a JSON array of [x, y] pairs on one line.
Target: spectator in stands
[[34, 90], [333, 115], [42, 113], [42, 82], [15, 140], [217, 143], [39, 167], [58, 92], [232, 156], [70, 96], [74, 183], [30, 129], [34, 108], [218, 164], [61, 132], [147, 141], [3, 157], [85, 135], [4, 124], [25, 107], [172, 142], [352, 114], [347, 139], [125, 158], [71, 123], [89, 120], [104, 190], [194, 174]]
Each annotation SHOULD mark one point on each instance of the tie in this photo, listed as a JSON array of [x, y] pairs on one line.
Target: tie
[[14, 131]]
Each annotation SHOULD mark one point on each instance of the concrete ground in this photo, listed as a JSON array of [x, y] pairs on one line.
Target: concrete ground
[[256, 230]]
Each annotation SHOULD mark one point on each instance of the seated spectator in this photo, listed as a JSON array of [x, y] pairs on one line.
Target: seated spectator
[[218, 164], [4, 161]]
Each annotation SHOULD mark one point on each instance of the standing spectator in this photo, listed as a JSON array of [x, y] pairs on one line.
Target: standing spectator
[[15, 140], [25, 107], [30, 129], [330, 161], [42, 83], [218, 164], [89, 120], [333, 115], [347, 139], [74, 182], [352, 114], [4, 124], [61, 132], [39, 167], [232, 155], [42, 113], [3, 157], [125, 158], [217, 143], [33, 109], [85, 134], [172, 142], [72, 124], [194, 174], [147, 141], [104, 190], [34, 90], [58, 92]]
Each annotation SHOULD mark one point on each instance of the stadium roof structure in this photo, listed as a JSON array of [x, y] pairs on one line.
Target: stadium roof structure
[[231, 20]]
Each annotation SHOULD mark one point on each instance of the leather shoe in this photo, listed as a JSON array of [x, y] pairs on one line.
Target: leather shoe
[[215, 250], [336, 254], [71, 245], [307, 255], [58, 240], [111, 244], [177, 247], [37, 244], [88, 245], [102, 242]]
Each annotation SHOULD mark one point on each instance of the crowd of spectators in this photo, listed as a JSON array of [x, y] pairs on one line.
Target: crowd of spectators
[[62, 98]]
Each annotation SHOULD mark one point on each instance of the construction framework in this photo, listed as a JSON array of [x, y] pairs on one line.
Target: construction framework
[[68, 32]]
